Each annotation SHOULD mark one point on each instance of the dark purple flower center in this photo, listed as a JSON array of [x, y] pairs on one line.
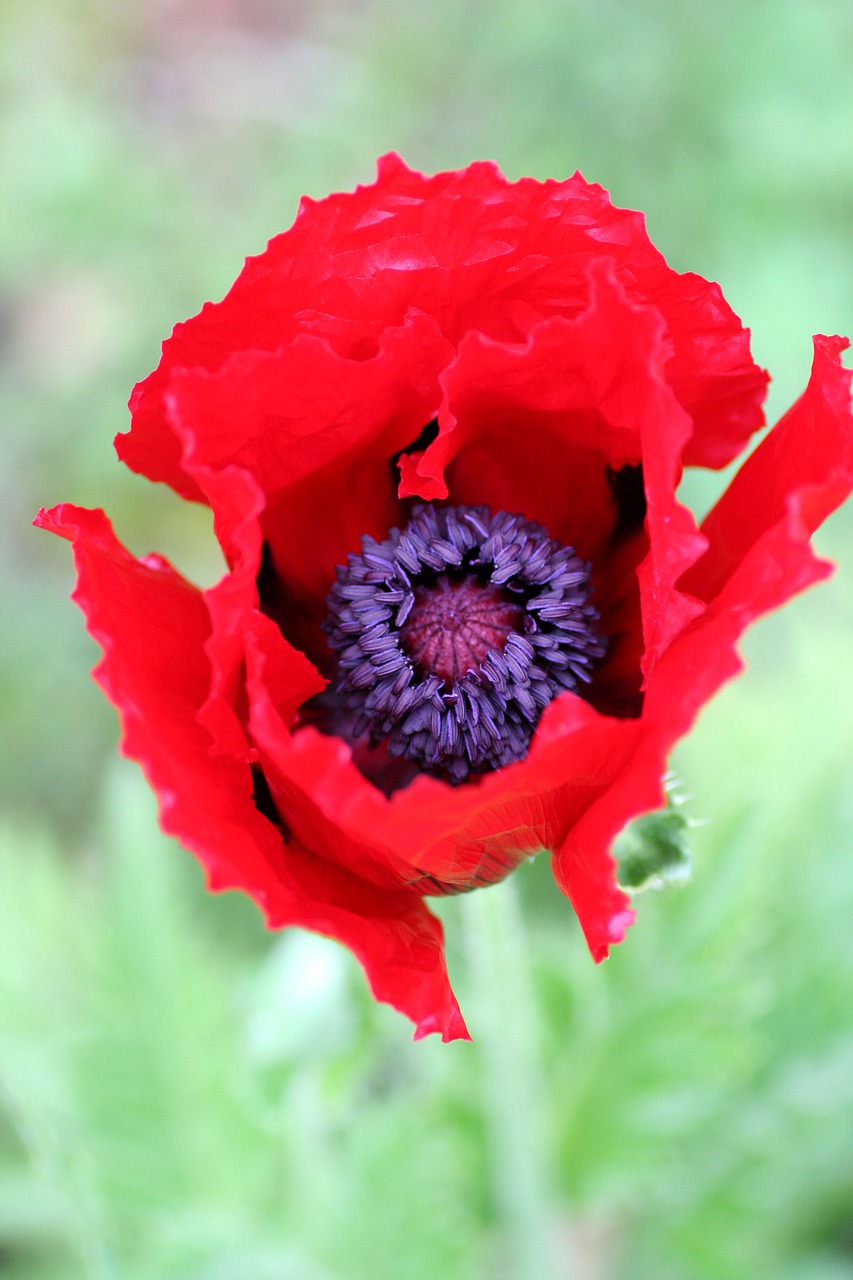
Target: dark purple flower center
[[456, 632]]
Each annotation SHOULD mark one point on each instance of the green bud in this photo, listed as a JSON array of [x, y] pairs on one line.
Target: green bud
[[653, 851]]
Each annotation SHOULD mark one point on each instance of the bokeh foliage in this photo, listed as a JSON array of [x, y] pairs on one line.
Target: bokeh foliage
[[186, 1096]]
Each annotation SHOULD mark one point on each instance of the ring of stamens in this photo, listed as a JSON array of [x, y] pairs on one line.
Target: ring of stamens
[[453, 634]]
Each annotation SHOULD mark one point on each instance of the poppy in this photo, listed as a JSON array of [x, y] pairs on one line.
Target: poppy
[[441, 423]]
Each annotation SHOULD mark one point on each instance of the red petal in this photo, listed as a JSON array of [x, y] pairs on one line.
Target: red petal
[[475, 252], [285, 414], [232, 603], [317, 432], [533, 427], [583, 867], [153, 626], [711, 369], [759, 553], [586, 872], [807, 459], [397, 940], [430, 836]]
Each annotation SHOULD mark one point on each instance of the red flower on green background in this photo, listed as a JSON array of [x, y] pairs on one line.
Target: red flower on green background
[[440, 423]]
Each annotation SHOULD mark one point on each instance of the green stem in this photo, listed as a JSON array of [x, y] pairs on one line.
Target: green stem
[[506, 1032]]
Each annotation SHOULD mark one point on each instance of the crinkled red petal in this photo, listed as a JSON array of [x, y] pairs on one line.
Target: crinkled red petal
[[153, 627], [317, 432], [534, 428], [758, 556], [758, 552], [285, 414], [237, 503], [430, 836], [809, 452], [475, 252]]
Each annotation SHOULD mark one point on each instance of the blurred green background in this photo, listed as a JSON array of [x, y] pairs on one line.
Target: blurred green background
[[185, 1096]]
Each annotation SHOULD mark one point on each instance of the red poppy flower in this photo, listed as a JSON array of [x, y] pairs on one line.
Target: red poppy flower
[[440, 423]]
